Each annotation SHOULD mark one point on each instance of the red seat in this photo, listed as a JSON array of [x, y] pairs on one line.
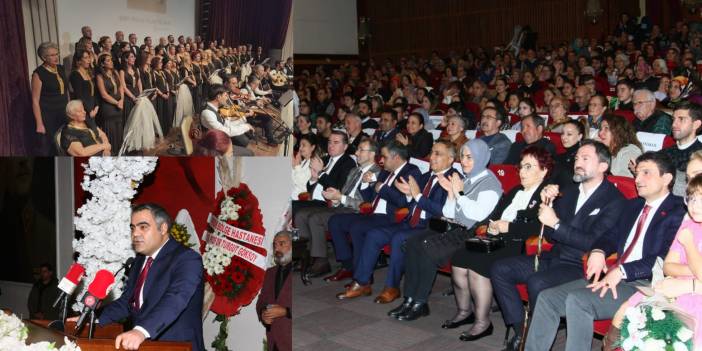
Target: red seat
[[626, 185], [514, 118], [628, 115], [555, 139], [519, 137], [507, 174], [668, 141]]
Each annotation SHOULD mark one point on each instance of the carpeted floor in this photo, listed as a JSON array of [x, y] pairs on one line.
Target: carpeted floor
[[321, 322]]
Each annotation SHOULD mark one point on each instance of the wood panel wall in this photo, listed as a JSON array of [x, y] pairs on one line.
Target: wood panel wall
[[402, 27]]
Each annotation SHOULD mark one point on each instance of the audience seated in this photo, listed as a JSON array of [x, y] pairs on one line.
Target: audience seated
[[77, 138], [491, 122], [620, 137], [573, 133], [387, 127], [301, 171], [687, 119], [417, 139], [648, 118], [642, 232], [533, 133]]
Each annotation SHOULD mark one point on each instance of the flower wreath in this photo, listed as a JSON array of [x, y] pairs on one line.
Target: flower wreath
[[234, 255]]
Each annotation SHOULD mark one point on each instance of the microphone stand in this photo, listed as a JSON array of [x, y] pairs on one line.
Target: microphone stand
[[91, 329]]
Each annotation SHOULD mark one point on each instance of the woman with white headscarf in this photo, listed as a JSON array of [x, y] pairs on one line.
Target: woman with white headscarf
[[470, 200]]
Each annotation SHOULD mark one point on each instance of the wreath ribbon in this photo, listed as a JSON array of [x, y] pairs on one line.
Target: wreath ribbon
[[232, 232], [240, 251]]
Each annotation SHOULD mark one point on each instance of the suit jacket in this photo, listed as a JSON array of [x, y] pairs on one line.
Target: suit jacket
[[577, 232], [370, 123], [351, 149], [280, 332], [657, 239], [393, 197], [433, 204], [336, 177], [173, 290], [381, 137], [357, 198], [420, 144]]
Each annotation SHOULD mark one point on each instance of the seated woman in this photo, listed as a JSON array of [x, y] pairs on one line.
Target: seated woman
[[469, 201], [303, 126], [77, 138], [682, 267], [573, 132], [456, 133], [514, 218], [301, 164], [620, 137], [417, 139], [558, 113], [526, 108]]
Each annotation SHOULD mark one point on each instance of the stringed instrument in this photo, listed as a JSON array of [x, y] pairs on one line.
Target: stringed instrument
[[278, 78]]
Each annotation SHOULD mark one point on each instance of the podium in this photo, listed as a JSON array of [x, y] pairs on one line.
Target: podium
[[103, 340]]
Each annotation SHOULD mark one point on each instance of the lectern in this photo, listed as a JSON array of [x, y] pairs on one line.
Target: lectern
[[103, 339]]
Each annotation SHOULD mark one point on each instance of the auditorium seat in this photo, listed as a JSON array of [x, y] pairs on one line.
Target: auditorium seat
[[555, 139], [626, 185], [508, 175], [628, 115]]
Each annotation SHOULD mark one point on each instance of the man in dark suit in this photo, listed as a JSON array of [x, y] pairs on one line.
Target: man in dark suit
[[579, 218], [533, 133], [275, 301], [643, 232], [312, 222], [88, 33], [354, 128], [385, 200], [425, 198], [163, 297], [387, 127], [133, 47], [364, 111]]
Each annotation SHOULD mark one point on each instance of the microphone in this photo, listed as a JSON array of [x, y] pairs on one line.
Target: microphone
[[126, 266], [69, 282], [97, 291]]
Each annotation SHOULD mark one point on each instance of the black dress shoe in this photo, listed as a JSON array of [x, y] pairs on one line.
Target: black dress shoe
[[319, 268], [402, 309], [514, 343], [417, 310], [484, 333], [455, 324]]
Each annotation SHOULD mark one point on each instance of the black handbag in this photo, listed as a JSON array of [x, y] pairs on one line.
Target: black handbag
[[442, 225], [484, 243]]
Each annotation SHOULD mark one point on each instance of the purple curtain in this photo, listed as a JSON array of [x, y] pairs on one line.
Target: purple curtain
[[261, 23], [15, 98]]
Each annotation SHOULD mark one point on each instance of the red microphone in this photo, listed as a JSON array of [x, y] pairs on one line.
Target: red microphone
[[70, 281], [97, 291]]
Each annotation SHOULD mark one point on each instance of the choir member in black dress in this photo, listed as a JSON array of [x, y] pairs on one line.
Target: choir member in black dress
[[105, 45], [131, 82], [111, 103], [172, 78], [199, 75], [163, 94], [147, 81], [80, 139], [49, 97], [187, 72], [83, 85]]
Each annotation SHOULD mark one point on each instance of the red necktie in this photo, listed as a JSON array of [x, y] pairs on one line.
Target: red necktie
[[377, 196], [637, 234], [136, 303], [418, 211]]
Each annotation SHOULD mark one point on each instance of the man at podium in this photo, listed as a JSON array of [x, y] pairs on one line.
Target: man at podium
[[163, 296]]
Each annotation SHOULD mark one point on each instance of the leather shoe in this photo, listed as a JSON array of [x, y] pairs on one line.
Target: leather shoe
[[468, 337], [348, 285], [455, 324], [341, 274], [355, 290], [514, 343], [387, 295], [417, 310], [319, 268], [402, 309]]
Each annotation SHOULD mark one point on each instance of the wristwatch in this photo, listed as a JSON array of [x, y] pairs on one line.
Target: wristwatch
[[461, 193]]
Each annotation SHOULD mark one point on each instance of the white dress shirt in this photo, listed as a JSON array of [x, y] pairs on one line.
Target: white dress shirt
[[358, 182], [423, 214], [231, 127], [317, 192], [381, 208]]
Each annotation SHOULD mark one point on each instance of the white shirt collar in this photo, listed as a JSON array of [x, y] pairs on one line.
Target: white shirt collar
[[683, 147], [592, 191], [657, 203], [478, 176], [158, 250], [440, 172]]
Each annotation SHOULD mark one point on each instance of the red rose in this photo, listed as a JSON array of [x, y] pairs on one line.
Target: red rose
[[238, 278]]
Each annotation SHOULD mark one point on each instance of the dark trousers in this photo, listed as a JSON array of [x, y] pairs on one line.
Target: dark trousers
[[311, 223], [264, 122], [507, 273], [239, 140], [424, 254], [355, 225]]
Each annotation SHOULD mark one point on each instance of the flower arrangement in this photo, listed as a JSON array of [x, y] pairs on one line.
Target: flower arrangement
[[233, 254], [648, 327], [13, 336], [180, 233], [104, 218]]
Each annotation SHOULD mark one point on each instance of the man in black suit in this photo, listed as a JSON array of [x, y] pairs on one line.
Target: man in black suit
[[579, 218], [387, 128], [133, 47], [88, 33], [354, 128], [324, 129], [364, 111], [533, 133], [643, 232]]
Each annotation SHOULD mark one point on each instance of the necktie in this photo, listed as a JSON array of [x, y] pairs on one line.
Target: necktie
[[414, 220], [637, 234], [377, 196], [136, 301]]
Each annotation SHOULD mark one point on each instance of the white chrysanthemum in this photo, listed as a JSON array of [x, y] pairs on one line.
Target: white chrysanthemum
[[679, 346], [229, 210], [652, 344], [13, 334], [684, 334], [104, 218]]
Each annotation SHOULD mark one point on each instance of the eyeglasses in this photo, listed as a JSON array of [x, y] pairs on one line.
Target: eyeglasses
[[693, 201], [526, 166]]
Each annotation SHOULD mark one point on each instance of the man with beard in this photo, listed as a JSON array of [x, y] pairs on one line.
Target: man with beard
[[275, 301], [573, 224], [687, 119], [364, 111]]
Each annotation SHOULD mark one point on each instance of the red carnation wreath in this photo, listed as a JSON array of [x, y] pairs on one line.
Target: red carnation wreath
[[241, 280]]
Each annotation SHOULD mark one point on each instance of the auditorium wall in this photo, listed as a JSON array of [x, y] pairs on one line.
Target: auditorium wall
[[325, 27]]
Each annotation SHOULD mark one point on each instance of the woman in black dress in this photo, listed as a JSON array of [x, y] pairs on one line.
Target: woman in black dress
[[417, 139], [80, 139], [187, 71], [515, 218], [131, 82], [573, 132], [83, 85], [145, 71], [111, 103], [49, 97], [173, 78], [162, 94]]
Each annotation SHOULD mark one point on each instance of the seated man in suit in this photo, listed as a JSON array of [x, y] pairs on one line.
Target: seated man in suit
[[364, 111], [425, 198], [275, 301], [331, 172], [163, 296], [352, 124], [490, 124], [387, 128], [582, 215], [386, 199], [644, 232], [532, 130], [311, 222]]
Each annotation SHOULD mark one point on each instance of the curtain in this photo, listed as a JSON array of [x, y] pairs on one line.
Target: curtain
[[16, 121], [260, 23]]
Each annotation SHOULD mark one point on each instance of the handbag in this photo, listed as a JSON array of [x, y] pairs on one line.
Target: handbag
[[484, 243], [443, 225]]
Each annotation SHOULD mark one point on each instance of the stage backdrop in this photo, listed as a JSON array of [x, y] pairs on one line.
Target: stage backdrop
[[154, 18]]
